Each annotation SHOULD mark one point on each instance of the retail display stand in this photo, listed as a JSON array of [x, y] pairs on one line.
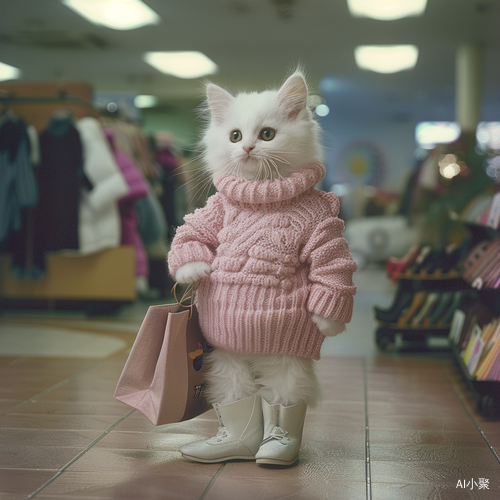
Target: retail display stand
[[469, 352], [461, 285]]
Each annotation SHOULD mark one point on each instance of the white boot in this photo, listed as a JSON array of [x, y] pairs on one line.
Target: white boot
[[282, 433], [239, 436]]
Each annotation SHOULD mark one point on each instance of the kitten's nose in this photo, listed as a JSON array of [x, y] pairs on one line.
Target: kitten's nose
[[247, 149]]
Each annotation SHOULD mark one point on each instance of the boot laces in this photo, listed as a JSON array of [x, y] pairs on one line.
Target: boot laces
[[279, 434], [221, 434]]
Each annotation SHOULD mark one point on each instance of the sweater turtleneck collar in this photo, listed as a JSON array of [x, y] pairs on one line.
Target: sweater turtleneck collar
[[259, 192]]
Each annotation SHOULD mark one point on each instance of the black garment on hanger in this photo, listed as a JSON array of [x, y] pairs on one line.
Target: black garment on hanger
[[60, 178], [12, 133]]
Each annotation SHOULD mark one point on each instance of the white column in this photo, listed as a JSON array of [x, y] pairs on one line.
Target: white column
[[469, 86]]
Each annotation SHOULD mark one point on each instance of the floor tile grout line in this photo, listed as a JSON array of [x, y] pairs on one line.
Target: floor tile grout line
[[80, 455], [54, 387], [368, 473], [471, 416], [212, 481]]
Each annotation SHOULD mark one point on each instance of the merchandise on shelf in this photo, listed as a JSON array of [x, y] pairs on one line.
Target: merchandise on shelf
[[476, 335]]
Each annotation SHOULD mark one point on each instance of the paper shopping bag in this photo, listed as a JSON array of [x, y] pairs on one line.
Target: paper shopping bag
[[163, 377]]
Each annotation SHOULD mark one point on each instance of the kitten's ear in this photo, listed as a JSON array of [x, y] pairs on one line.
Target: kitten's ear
[[292, 96], [218, 101]]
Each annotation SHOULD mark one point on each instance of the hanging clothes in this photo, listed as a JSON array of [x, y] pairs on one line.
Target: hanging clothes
[[168, 180], [152, 225], [99, 218], [18, 186], [130, 139], [60, 180], [138, 189]]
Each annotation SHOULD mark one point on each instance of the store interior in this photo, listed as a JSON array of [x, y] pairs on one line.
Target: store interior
[[100, 160]]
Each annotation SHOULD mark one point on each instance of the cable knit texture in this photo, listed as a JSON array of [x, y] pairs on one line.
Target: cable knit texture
[[277, 256]]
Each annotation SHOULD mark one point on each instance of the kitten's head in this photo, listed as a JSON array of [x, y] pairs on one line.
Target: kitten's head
[[260, 136]]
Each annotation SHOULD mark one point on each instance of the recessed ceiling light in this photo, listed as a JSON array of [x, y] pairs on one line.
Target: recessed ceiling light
[[386, 10], [8, 72], [115, 14], [145, 101], [386, 58], [190, 64]]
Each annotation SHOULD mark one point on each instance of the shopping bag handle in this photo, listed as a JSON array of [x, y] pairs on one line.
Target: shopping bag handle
[[187, 294]]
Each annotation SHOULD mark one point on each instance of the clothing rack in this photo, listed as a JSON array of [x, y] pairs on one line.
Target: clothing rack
[[37, 102], [62, 96], [105, 276]]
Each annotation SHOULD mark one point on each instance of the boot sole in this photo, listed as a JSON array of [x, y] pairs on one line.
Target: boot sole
[[273, 461], [216, 460]]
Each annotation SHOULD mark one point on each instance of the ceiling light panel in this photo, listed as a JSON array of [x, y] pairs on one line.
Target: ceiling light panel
[[184, 64], [386, 10], [145, 101], [8, 72], [428, 134], [115, 14], [386, 58]]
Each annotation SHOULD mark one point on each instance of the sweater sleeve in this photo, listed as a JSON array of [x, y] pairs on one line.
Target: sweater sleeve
[[196, 239], [331, 269]]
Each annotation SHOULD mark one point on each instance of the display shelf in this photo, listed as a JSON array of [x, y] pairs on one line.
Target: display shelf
[[487, 392]]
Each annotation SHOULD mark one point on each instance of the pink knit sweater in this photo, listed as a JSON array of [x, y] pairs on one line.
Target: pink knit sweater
[[277, 256]]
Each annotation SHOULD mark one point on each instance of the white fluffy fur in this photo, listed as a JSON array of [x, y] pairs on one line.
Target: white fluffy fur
[[297, 140], [278, 378], [192, 272], [328, 327]]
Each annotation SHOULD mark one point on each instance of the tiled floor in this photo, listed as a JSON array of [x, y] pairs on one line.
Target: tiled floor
[[390, 427]]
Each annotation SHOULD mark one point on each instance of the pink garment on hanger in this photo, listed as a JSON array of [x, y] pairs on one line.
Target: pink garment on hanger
[[137, 189]]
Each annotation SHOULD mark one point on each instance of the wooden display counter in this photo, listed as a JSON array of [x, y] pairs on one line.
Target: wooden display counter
[[108, 275]]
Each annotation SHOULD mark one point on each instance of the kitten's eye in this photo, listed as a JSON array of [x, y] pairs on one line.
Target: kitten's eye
[[267, 134], [235, 136]]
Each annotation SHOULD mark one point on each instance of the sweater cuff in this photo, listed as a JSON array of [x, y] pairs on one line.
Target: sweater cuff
[[328, 304], [189, 252]]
